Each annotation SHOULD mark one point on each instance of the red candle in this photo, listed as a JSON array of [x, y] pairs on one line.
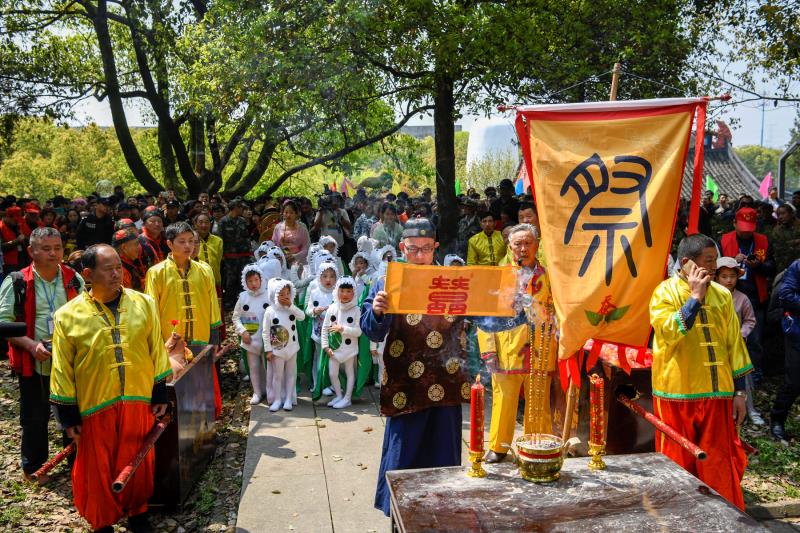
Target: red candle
[[596, 410], [476, 416]]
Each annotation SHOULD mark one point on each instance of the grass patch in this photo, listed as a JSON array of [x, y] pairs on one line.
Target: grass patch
[[10, 516]]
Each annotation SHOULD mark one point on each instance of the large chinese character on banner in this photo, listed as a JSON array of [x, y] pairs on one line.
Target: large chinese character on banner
[[607, 180], [437, 290]]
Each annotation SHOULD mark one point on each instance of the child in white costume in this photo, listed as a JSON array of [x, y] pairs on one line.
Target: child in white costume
[[342, 317], [281, 342], [328, 244], [362, 272], [320, 296], [248, 317], [453, 260]]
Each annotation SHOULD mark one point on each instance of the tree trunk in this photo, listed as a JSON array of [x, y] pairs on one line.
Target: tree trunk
[[444, 143], [167, 159], [198, 144], [126, 143]]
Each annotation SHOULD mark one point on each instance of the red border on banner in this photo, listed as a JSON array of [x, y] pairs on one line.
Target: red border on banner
[[571, 116]]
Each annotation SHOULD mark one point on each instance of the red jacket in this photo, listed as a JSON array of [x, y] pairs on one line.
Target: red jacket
[[7, 233], [730, 248], [22, 362]]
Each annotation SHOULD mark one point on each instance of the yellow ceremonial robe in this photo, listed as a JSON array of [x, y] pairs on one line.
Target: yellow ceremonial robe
[[486, 250], [190, 298], [211, 254], [507, 356], [94, 357], [703, 361]]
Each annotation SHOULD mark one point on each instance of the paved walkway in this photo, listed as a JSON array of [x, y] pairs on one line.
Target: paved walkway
[[314, 469]]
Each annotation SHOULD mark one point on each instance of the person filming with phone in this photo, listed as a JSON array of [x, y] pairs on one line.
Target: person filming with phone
[[699, 366]]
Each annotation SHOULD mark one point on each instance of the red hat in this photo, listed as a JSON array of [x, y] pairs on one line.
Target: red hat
[[14, 211], [31, 207], [122, 236], [125, 223], [746, 219]]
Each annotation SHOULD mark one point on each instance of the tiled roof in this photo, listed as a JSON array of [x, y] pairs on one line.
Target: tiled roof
[[728, 171]]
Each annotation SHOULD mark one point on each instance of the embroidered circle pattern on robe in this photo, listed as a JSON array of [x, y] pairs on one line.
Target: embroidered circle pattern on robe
[[399, 400], [434, 339], [396, 349], [413, 320], [416, 369], [436, 392]]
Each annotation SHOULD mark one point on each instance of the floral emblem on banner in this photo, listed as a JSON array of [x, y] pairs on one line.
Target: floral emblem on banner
[[608, 312]]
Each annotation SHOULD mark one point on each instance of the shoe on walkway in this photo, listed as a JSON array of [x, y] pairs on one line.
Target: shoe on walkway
[[275, 407], [341, 404], [140, 523], [494, 457], [327, 391], [255, 400], [41, 480], [334, 401], [287, 405], [755, 418], [778, 432]]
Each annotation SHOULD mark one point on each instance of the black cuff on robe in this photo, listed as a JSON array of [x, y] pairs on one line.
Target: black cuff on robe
[[160, 393]]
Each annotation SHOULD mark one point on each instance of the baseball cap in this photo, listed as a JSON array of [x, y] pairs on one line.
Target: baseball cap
[[729, 262], [174, 203], [746, 219]]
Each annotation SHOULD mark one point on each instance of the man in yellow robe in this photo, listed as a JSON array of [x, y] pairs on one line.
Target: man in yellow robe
[[108, 383], [210, 247], [486, 247], [699, 364], [184, 291], [505, 346]]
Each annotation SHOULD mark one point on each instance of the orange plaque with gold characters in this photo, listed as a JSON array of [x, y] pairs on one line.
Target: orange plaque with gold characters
[[437, 290]]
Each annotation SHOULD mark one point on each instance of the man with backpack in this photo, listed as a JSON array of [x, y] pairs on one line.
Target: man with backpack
[[33, 295]]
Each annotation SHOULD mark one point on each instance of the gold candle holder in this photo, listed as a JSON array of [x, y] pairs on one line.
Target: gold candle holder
[[476, 470], [597, 451]]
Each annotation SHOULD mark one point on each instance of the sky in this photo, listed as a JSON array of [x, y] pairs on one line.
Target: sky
[[777, 121]]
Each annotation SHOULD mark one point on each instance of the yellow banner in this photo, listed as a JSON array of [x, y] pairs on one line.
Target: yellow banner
[[438, 290], [607, 187]]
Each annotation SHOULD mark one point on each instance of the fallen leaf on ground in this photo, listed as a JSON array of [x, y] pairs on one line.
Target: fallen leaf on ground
[[367, 429], [276, 491]]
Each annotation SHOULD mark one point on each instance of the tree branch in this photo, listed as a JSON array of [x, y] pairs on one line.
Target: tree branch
[[346, 150]]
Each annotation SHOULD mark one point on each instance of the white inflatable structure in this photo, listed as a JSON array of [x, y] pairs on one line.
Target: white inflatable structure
[[494, 136]]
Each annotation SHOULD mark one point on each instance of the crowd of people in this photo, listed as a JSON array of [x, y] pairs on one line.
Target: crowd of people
[[153, 274]]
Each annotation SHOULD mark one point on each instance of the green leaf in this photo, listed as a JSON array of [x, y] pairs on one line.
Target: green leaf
[[617, 313], [593, 317]]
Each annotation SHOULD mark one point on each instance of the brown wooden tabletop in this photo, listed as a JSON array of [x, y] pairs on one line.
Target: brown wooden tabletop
[[639, 492]]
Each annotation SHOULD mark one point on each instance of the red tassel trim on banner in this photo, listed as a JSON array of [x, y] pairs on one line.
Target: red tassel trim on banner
[[525, 141], [697, 177], [569, 370]]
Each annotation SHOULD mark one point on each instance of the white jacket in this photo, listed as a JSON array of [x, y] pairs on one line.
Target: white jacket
[[318, 296], [347, 315], [248, 314], [280, 323]]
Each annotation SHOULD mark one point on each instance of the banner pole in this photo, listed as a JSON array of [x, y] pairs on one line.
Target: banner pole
[[615, 81]]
